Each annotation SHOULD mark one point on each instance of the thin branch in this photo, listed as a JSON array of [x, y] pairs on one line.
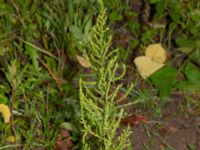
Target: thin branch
[[54, 76]]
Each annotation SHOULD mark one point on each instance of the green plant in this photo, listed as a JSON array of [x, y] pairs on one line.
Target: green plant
[[115, 9], [99, 113], [192, 81], [161, 80], [69, 23], [33, 79]]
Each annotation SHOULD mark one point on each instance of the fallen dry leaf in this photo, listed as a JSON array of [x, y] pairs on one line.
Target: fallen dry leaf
[[146, 66], [173, 129], [5, 111], [162, 131], [63, 142], [154, 59], [156, 53], [83, 62], [134, 120]]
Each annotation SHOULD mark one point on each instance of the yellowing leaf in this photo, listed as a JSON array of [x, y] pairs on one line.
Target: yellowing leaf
[[154, 59], [156, 53], [83, 62], [5, 111], [146, 66]]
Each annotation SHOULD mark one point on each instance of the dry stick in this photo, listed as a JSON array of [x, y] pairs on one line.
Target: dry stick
[[12, 109], [55, 77]]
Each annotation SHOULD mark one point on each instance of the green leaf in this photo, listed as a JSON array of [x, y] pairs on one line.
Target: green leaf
[[188, 86], [160, 7], [185, 50], [164, 79], [175, 16], [185, 42], [149, 34], [134, 27], [3, 99], [195, 15], [154, 1], [114, 16], [192, 73], [194, 57]]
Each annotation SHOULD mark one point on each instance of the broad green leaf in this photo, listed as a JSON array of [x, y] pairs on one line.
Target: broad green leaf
[[185, 50], [134, 27], [3, 99], [160, 7], [175, 16], [192, 73], [195, 15], [164, 79], [185, 42], [195, 56], [149, 34], [160, 10], [114, 16], [188, 86]]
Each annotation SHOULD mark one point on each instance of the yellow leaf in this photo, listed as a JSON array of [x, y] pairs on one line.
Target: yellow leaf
[[146, 66], [154, 59], [83, 62], [156, 53], [5, 111]]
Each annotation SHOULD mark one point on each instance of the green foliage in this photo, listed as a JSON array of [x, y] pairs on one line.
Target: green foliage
[[192, 82], [164, 79], [38, 41], [69, 23], [115, 9], [195, 55], [99, 115]]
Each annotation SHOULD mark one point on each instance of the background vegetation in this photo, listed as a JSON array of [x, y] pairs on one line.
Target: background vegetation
[[39, 70]]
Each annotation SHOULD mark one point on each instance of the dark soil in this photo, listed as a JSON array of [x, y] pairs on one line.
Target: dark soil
[[173, 131]]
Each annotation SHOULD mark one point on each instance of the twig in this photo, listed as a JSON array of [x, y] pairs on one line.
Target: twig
[[55, 77]]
